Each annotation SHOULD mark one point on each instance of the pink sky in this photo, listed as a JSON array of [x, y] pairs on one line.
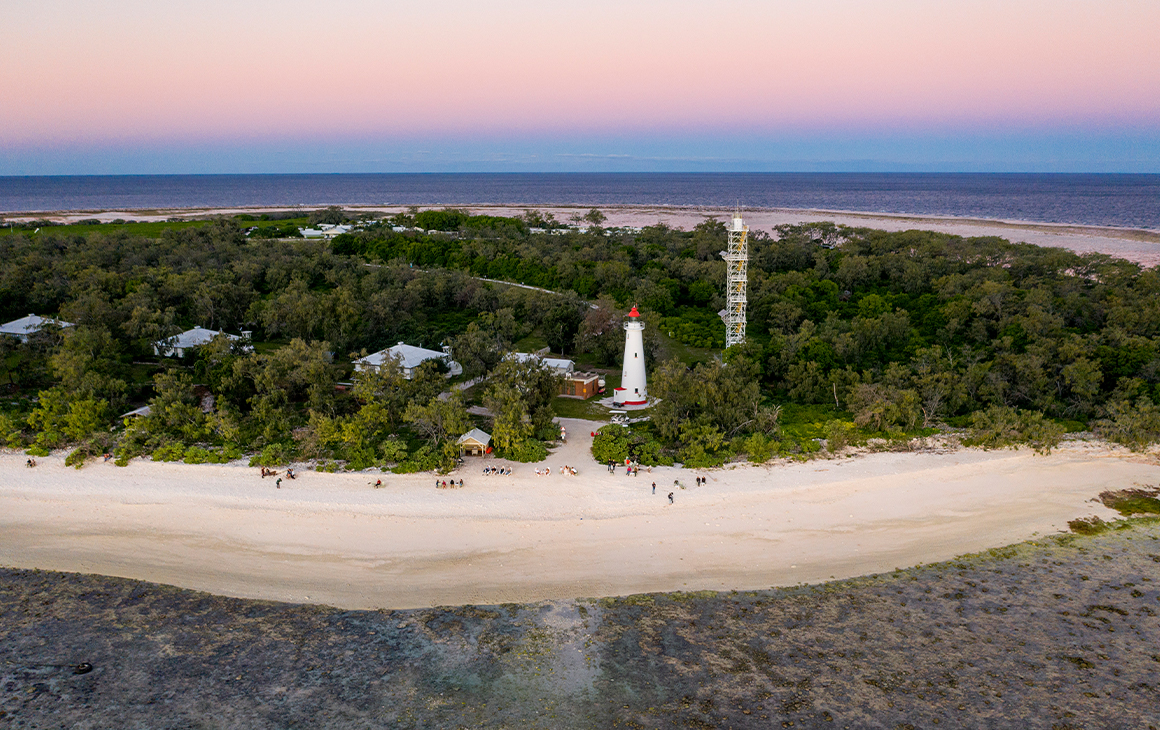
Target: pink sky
[[133, 71]]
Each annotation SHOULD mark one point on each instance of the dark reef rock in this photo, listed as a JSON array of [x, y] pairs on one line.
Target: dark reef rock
[[1062, 632]]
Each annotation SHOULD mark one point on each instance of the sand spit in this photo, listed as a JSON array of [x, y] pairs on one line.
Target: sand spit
[[1133, 244], [334, 539]]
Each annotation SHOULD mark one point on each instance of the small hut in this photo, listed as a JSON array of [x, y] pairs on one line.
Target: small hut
[[474, 443]]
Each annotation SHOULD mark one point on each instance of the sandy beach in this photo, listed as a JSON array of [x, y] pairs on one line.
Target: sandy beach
[[1133, 244], [334, 539]]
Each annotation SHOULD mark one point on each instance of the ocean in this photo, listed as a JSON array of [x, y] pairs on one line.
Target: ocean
[[1131, 201]]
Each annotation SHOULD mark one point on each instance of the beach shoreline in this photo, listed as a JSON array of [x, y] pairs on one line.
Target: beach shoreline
[[1134, 244], [334, 539]]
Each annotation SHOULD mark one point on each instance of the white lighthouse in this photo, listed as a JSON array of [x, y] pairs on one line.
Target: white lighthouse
[[633, 390]]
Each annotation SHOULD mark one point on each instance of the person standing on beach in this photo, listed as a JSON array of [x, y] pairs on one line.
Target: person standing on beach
[[278, 483], [670, 497], [654, 487]]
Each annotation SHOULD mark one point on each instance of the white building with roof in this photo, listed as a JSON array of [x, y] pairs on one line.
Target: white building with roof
[[25, 327], [326, 230], [559, 365], [408, 357], [180, 345]]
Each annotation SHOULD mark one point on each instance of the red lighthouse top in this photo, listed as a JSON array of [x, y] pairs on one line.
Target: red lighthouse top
[[634, 313]]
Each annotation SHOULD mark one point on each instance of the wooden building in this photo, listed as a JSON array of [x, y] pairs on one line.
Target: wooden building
[[474, 443], [580, 385]]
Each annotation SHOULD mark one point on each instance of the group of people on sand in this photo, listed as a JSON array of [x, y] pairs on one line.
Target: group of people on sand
[[569, 470], [30, 463], [631, 468], [503, 471], [445, 485], [271, 473]]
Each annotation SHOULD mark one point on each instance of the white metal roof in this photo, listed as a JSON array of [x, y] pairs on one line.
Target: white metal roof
[[194, 338], [28, 325], [142, 411], [408, 356], [476, 435], [556, 363]]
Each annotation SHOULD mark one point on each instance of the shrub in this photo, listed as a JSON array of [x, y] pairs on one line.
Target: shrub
[[650, 453], [882, 407], [611, 444], [839, 435], [617, 443], [172, 451], [759, 448], [77, 457], [697, 457], [526, 452], [199, 455], [1135, 426], [11, 433], [808, 446], [1003, 427], [428, 458], [393, 450], [273, 455]]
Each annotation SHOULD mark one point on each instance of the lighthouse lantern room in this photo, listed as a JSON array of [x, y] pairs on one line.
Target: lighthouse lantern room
[[633, 390]]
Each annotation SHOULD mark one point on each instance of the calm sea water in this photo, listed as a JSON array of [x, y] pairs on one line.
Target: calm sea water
[[1106, 200]]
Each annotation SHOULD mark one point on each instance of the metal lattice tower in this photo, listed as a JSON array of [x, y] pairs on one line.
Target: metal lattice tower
[[737, 273]]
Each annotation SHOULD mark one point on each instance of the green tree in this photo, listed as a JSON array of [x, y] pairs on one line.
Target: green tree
[[520, 398], [60, 418], [511, 422], [562, 322], [87, 365], [602, 333], [481, 347], [440, 418]]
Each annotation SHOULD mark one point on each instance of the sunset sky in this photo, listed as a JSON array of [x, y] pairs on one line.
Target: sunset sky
[[136, 86]]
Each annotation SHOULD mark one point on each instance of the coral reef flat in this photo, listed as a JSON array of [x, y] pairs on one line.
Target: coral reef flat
[[1058, 632]]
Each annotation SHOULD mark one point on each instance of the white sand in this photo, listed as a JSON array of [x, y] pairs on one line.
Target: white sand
[[1139, 245], [331, 538]]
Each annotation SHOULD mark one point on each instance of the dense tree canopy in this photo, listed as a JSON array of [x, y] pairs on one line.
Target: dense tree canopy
[[892, 332]]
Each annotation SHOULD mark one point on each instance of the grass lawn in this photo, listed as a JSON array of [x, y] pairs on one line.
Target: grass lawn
[[531, 343], [148, 229], [689, 355], [576, 408]]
